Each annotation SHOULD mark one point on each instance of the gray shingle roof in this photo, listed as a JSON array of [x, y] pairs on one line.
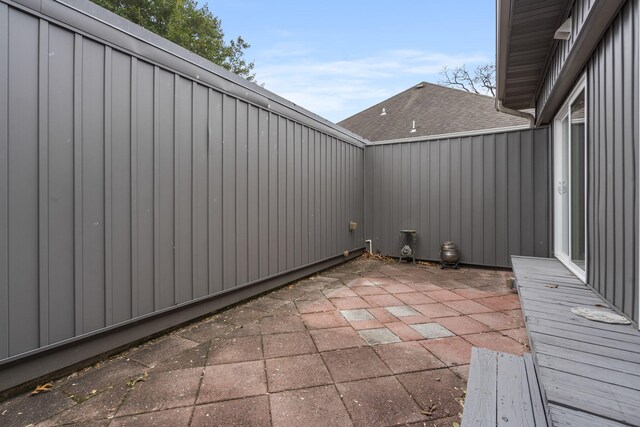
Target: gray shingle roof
[[436, 110]]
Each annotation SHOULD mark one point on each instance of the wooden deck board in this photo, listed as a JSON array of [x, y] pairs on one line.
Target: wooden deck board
[[579, 357], [570, 418], [595, 372], [503, 391], [537, 404], [589, 371], [588, 349], [480, 402], [513, 394], [572, 327], [583, 337], [571, 319]]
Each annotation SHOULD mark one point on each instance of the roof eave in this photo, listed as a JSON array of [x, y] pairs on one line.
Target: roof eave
[[503, 31]]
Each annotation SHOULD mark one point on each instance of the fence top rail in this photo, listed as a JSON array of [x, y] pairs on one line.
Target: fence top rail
[[96, 22], [463, 134]]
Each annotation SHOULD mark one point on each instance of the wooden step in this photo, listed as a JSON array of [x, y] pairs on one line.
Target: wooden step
[[502, 391]]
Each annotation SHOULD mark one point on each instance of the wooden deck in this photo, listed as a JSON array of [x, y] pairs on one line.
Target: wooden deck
[[589, 371], [502, 390]]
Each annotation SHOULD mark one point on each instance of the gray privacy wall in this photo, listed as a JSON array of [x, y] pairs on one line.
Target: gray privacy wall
[[488, 193], [612, 153], [135, 180]]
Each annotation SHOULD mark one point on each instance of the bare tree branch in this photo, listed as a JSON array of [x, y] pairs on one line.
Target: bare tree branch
[[485, 75], [482, 81]]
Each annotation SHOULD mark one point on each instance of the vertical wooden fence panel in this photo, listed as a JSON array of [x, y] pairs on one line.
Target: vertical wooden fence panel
[[134, 179], [481, 191]]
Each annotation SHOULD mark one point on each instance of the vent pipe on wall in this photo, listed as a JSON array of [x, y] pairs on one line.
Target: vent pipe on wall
[[564, 31]]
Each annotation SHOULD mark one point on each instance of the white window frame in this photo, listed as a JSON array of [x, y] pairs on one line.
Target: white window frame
[[557, 164]]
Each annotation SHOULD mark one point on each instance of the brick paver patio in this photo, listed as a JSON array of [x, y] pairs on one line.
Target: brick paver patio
[[367, 343]]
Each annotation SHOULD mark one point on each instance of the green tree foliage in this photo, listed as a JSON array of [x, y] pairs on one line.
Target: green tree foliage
[[192, 27]]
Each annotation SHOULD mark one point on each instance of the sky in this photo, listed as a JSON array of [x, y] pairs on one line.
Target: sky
[[337, 58]]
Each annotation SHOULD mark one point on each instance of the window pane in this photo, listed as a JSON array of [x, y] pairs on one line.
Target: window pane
[[577, 182]]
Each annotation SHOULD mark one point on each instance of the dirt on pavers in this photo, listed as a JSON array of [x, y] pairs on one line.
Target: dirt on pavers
[[308, 353]]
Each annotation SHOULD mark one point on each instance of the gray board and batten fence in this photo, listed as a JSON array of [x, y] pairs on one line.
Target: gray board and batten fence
[[143, 186], [489, 193]]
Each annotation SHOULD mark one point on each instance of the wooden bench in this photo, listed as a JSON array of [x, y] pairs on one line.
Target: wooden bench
[[502, 391], [589, 372]]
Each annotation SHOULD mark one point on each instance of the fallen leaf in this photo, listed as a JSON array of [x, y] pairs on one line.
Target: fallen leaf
[[134, 381], [552, 286], [42, 389], [430, 410]]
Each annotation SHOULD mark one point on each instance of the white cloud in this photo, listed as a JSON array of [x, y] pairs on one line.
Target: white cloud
[[336, 89]]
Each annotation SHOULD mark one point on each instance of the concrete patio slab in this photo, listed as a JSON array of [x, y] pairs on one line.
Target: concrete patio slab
[[154, 352], [432, 330], [173, 417], [231, 381], [359, 325], [349, 303], [250, 411], [403, 331], [462, 325], [407, 357], [452, 351], [378, 336], [412, 298], [336, 338], [241, 349], [359, 314], [379, 401], [324, 320], [402, 311], [345, 347], [287, 344], [314, 406], [99, 407], [438, 392], [497, 342], [288, 373], [281, 324], [354, 364], [162, 390]]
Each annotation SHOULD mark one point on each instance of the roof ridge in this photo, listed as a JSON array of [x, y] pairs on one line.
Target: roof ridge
[[414, 87]]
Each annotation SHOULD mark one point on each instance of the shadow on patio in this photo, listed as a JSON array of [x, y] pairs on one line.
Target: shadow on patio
[[367, 343]]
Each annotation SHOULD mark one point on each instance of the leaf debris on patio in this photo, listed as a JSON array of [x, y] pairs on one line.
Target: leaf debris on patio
[[346, 346]]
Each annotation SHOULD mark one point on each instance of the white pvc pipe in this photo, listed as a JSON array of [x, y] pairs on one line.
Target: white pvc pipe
[[370, 245]]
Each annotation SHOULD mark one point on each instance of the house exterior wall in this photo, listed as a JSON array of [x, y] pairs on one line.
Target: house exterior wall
[[137, 178], [488, 193], [579, 12], [612, 163]]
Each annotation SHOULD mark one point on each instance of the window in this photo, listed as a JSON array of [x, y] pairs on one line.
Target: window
[[569, 183]]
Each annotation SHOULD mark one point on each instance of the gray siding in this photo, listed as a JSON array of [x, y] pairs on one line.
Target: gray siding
[[128, 187], [579, 12], [612, 153], [488, 193]]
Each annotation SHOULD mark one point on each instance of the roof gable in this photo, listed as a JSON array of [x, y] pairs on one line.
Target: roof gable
[[435, 109]]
